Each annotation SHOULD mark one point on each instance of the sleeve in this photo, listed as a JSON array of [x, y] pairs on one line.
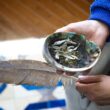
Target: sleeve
[[100, 10]]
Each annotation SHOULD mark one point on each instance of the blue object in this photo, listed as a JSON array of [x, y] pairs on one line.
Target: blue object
[[2, 88], [33, 87], [1, 109], [45, 105], [100, 10]]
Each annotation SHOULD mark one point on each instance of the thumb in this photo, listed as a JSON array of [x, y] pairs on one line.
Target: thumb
[[89, 79]]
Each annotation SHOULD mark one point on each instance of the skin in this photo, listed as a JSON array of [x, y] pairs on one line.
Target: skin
[[90, 28], [96, 88]]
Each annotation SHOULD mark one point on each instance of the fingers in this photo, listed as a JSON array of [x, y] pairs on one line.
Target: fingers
[[64, 29], [78, 27], [88, 85], [103, 102], [94, 90], [88, 90], [93, 30], [98, 99], [73, 27], [89, 79], [82, 88]]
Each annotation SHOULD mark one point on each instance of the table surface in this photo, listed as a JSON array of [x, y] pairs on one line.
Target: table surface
[[25, 18]]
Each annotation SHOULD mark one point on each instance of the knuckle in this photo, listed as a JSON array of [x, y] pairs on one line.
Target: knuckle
[[71, 24], [92, 97], [99, 103], [77, 85]]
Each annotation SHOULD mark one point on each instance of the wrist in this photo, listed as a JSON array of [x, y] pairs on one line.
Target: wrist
[[101, 30]]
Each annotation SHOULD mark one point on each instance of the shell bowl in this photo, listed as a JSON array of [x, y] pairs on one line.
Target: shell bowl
[[70, 52]]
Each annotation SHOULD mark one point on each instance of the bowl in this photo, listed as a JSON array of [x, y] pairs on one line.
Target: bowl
[[70, 52]]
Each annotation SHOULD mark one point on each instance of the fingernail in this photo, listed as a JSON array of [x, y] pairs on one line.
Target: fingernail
[[81, 77]]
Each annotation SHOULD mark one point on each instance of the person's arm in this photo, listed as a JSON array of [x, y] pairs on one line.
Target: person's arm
[[96, 29], [100, 11], [97, 26], [97, 88]]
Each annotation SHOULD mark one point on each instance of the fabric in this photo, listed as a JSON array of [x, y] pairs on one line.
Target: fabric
[[100, 10], [28, 97]]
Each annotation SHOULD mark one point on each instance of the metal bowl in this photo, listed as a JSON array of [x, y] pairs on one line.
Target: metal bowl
[[70, 52]]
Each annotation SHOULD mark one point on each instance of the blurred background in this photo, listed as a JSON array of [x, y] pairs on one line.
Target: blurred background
[[36, 18]]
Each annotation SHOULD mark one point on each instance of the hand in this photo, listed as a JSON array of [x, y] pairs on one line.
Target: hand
[[96, 88], [92, 29]]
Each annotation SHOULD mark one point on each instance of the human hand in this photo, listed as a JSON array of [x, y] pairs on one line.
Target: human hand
[[92, 29], [96, 88]]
